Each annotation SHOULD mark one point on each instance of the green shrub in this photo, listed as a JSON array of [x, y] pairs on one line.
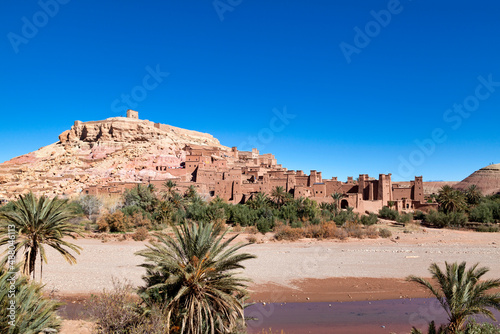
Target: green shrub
[[487, 228], [405, 218], [387, 213], [419, 215], [441, 219], [482, 213], [370, 219], [345, 216], [484, 328]]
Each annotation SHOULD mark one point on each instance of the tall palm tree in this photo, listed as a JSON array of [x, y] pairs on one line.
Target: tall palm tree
[[39, 222], [460, 292], [193, 275], [279, 195], [451, 200]]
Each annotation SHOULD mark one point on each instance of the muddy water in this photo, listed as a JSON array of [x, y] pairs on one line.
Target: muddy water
[[384, 317], [374, 317]]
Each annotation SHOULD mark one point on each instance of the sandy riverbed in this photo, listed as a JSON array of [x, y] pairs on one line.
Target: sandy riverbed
[[304, 271]]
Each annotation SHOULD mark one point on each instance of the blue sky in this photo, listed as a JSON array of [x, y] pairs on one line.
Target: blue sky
[[343, 87]]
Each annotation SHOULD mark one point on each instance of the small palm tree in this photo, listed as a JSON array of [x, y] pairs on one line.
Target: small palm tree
[[279, 195], [473, 195], [170, 185], [190, 192], [451, 200], [460, 292], [33, 312], [259, 200], [193, 275], [39, 222], [336, 199]]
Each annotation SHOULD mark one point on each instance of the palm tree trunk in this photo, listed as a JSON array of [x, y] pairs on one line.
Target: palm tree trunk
[[32, 258]]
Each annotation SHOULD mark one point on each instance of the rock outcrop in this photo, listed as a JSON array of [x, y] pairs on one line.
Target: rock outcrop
[[487, 180], [117, 149]]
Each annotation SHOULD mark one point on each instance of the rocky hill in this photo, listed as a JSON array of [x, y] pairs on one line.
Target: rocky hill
[[487, 180], [97, 152]]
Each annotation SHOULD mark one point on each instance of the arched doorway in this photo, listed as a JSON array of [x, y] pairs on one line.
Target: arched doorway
[[344, 204]]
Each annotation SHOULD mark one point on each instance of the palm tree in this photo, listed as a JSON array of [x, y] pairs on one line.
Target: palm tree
[[193, 275], [460, 293], [259, 200], [279, 195], [451, 200], [33, 312], [170, 185], [39, 222], [473, 195], [336, 199], [190, 192]]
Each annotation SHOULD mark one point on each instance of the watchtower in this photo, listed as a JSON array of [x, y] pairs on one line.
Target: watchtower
[[132, 114]]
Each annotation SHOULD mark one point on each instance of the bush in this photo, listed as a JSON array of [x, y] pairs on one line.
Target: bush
[[419, 215], [441, 219], [114, 311], [405, 218], [252, 239], [481, 214], [113, 222], [371, 232], [140, 234], [139, 220], [487, 228], [387, 213], [345, 216], [369, 220], [484, 328], [288, 233], [385, 233], [354, 230], [264, 225]]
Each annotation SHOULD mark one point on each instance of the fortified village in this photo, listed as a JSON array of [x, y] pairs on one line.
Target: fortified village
[[235, 176], [110, 156]]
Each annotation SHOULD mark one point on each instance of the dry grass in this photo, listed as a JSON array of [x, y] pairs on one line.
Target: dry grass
[[251, 230], [252, 239], [140, 234]]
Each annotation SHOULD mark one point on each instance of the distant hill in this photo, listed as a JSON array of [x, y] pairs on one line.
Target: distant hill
[[487, 179]]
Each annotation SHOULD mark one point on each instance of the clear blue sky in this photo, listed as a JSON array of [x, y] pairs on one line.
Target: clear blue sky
[[364, 80]]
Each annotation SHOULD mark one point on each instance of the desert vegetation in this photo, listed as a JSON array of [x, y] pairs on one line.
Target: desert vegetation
[[147, 208], [457, 209], [190, 286], [462, 295]]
